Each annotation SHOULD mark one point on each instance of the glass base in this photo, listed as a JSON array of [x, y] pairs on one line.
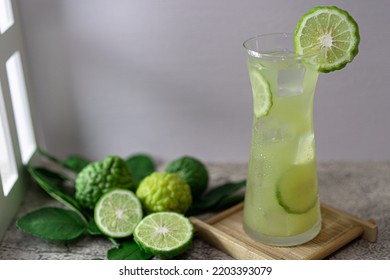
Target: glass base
[[285, 241]]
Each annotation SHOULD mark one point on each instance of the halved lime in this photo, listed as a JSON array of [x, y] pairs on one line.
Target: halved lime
[[117, 213], [262, 95], [297, 190], [164, 234], [332, 32]]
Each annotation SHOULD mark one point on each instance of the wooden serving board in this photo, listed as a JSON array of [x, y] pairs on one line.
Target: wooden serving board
[[225, 232]]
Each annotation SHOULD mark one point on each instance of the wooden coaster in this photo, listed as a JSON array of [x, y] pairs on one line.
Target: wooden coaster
[[225, 232]]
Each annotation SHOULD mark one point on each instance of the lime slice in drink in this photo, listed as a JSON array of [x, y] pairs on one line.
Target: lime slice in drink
[[117, 213], [262, 95], [296, 191], [164, 234], [330, 31]]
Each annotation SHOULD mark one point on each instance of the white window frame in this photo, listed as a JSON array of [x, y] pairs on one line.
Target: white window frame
[[11, 45]]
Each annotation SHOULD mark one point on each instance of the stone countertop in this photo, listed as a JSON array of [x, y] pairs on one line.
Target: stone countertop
[[360, 188]]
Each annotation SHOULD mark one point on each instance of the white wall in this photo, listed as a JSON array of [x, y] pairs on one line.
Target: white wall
[[169, 77]]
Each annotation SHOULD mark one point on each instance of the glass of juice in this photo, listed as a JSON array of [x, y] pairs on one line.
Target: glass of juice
[[281, 205]]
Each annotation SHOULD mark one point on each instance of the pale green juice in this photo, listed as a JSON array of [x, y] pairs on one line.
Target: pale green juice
[[281, 201]]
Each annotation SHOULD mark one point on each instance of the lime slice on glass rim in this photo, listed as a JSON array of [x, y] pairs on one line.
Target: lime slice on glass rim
[[332, 32], [262, 95], [117, 213], [297, 190], [164, 234]]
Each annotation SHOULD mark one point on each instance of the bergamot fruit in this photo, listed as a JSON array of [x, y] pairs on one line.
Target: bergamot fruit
[[164, 234], [193, 171], [330, 31], [117, 213], [162, 191], [99, 177]]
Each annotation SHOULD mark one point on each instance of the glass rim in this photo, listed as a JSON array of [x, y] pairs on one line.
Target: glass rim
[[279, 56]]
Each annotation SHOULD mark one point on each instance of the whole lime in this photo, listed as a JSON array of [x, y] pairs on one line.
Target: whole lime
[[162, 191], [99, 177], [193, 171]]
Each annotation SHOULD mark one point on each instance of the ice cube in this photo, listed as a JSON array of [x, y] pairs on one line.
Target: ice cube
[[273, 130], [290, 81], [272, 135], [305, 150]]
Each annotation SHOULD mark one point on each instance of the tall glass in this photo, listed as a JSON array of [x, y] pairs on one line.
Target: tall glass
[[281, 201]]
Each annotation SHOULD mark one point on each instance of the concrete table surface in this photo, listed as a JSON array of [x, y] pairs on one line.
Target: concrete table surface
[[360, 188]]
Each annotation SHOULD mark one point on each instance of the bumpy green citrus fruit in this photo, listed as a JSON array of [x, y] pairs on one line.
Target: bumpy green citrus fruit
[[193, 171], [99, 177], [162, 191]]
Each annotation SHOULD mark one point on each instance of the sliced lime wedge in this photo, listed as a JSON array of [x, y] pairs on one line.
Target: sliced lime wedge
[[262, 95], [117, 213], [164, 234], [330, 31], [297, 190]]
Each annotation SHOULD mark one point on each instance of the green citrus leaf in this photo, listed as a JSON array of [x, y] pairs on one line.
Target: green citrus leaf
[[128, 250], [51, 183], [53, 223], [229, 201], [140, 166], [75, 163], [92, 228], [217, 198]]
